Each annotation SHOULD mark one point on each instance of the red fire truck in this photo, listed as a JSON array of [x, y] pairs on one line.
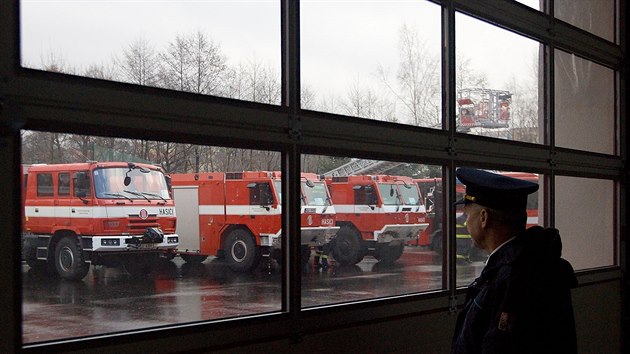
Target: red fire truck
[[237, 216], [432, 236], [377, 215], [99, 213]]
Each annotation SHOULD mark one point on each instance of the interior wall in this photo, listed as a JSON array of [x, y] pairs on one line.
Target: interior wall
[[597, 309]]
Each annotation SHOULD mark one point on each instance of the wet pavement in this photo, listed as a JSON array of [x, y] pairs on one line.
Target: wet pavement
[[109, 300]]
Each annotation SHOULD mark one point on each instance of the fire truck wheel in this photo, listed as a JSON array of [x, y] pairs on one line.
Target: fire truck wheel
[[241, 252], [69, 260], [193, 258], [347, 248], [388, 254]]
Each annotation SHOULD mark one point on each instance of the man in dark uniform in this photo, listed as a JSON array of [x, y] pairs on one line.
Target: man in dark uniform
[[521, 303]]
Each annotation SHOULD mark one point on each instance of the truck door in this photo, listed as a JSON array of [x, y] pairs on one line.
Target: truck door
[[81, 211], [63, 202], [39, 209], [262, 208], [365, 199]]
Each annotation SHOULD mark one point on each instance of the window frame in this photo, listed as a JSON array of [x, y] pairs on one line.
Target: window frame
[[31, 99]]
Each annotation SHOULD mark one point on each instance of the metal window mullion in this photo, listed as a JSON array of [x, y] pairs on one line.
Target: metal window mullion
[[10, 147], [449, 122], [292, 280], [549, 130]]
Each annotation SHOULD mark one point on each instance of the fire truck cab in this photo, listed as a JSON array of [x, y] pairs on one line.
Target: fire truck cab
[[237, 216], [99, 213], [377, 215]]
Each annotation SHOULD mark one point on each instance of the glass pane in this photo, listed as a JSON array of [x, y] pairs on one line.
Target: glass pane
[[585, 104], [586, 244], [471, 259], [186, 239], [595, 16], [378, 209], [497, 82], [389, 71], [222, 48]]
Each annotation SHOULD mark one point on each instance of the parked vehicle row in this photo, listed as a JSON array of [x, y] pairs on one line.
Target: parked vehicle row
[[123, 214], [237, 216]]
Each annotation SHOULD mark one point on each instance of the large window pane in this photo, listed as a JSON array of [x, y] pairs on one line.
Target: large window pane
[[222, 48], [497, 75], [132, 248], [377, 60], [587, 231], [382, 211], [595, 16], [585, 104], [470, 259]]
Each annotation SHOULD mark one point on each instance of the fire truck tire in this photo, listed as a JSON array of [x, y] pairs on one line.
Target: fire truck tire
[[193, 258], [241, 252], [69, 260], [388, 254], [347, 248]]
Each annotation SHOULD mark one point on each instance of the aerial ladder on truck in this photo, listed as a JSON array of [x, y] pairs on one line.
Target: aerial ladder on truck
[[483, 108], [362, 167]]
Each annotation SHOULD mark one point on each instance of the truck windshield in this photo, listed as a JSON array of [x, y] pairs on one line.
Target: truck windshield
[[389, 193], [109, 183], [410, 196], [315, 195]]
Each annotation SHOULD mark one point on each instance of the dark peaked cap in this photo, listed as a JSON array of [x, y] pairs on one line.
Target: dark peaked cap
[[494, 191]]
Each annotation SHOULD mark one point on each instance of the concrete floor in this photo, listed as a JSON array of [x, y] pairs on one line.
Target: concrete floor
[[109, 300]]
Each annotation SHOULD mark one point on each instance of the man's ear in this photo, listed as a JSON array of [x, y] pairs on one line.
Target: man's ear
[[483, 218]]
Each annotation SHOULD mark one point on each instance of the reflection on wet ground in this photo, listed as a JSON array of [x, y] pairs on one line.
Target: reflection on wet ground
[[109, 300]]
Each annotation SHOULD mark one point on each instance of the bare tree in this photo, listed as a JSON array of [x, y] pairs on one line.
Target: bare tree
[[417, 86], [308, 98], [254, 81], [139, 63], [175, 64], [208, 65], [524, 112], [363, 101], [466, 76], [54, 61], [101, 71]]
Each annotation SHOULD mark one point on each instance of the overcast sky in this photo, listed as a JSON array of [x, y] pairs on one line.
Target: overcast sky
[[341, 40]]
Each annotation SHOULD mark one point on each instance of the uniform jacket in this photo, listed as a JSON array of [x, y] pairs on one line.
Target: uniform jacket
[[521, 303]]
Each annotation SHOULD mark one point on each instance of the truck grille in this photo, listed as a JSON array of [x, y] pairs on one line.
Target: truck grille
[[137, 225]]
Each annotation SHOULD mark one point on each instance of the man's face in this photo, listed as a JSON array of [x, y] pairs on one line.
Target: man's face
[[474, 225]]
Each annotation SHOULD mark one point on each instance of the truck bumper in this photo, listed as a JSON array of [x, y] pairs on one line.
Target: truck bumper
[[127, 243], [399, 233], [311, 236]]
